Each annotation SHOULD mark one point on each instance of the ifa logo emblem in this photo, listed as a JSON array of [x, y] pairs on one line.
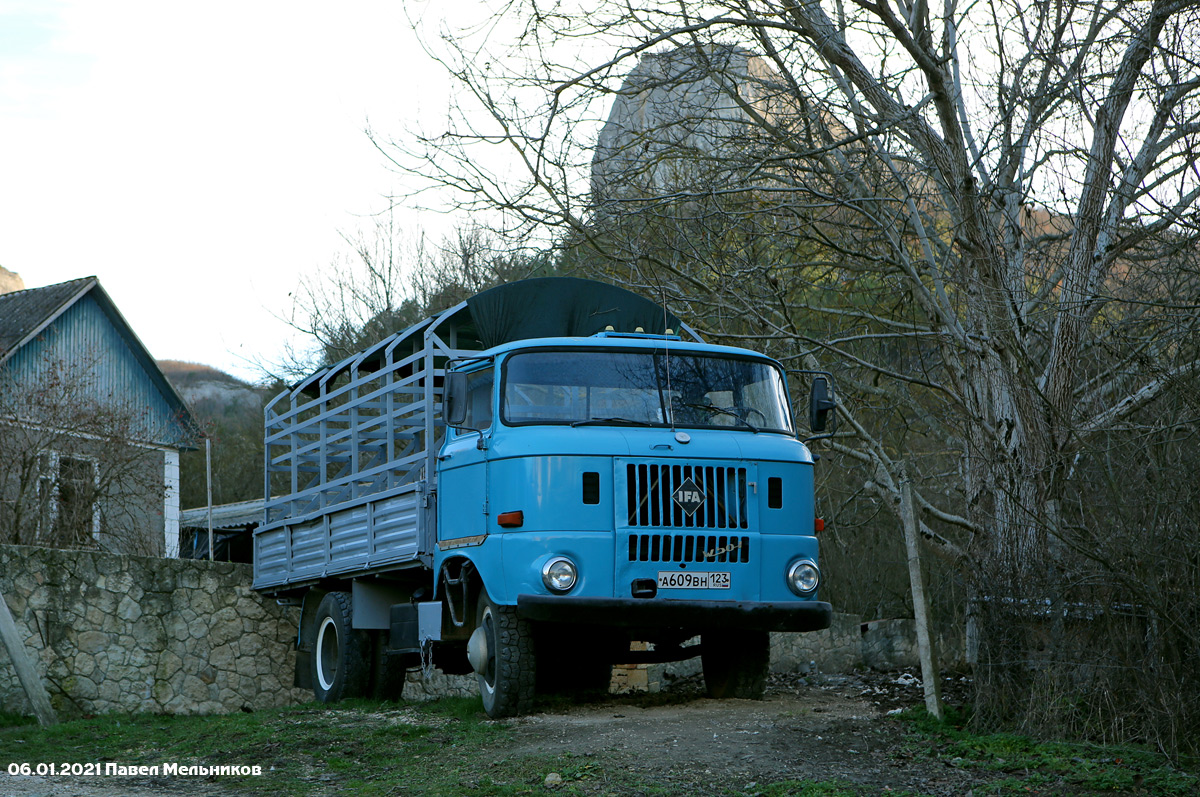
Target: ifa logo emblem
[[689, 496]]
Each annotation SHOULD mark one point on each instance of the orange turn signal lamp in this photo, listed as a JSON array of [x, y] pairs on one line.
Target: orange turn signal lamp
[[511, 520]]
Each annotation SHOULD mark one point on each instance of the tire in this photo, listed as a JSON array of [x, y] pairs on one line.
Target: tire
[[507, 681], [388, 672], [341, 662], [735, 663]]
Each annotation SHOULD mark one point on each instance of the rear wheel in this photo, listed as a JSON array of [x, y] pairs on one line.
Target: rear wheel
[[506, 668], [341, 666], [735, 663]]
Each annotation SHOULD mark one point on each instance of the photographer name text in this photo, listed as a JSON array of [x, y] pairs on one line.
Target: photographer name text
[[112, 769]]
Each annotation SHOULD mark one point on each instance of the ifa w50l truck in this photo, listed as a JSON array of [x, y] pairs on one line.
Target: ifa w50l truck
[[525, 484]]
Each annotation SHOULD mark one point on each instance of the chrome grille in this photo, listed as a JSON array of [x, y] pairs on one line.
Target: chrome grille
[[649, 487], [688, 548]]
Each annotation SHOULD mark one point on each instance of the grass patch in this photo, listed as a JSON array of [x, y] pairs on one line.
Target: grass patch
[[367, 746], [1021, 762], [7, 720], [446, 747], [450, 747]]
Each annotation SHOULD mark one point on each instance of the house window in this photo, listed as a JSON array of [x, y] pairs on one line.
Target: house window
[[67, 493]]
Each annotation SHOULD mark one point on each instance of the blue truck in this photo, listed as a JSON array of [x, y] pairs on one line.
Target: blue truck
[[525, 484]]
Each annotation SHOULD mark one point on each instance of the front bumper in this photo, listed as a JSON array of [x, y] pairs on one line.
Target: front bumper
[[672, 613]]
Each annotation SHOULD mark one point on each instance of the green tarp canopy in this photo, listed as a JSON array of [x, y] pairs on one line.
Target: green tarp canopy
[[550, 307], [544, 307]]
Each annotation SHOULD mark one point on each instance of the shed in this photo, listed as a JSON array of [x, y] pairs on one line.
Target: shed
[[233, 527]]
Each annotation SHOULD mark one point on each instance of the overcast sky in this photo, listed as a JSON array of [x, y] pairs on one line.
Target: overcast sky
[[198, 158]]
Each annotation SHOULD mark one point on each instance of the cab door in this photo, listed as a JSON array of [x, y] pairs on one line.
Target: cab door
[[463, 465]]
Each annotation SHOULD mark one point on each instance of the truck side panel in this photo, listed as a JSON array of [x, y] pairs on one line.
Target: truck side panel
[[374, 534], [354, 443]]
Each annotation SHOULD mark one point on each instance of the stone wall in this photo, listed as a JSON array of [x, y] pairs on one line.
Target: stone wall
[[116, 633], [892, 645], [835, 649], [847, 645]]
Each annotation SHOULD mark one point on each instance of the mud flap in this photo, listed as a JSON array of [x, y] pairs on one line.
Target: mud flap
[[302, 678]]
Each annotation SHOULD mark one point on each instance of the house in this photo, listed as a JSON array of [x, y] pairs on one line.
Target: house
[[90, 429]]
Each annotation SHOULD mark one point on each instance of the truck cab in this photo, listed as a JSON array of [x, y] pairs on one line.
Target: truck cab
[[629, 488]]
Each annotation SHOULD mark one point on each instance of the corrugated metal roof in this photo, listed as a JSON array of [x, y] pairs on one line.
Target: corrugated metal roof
[[225, 516]]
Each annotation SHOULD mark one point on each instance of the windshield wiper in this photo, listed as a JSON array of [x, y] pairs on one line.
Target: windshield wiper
[[593, 421], [732, 413]]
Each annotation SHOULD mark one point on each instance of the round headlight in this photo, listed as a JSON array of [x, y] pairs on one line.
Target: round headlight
[[559, 574], [803, 577]]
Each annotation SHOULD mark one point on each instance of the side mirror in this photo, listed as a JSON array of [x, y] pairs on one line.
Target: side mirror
[[822, 409], [454, 399]]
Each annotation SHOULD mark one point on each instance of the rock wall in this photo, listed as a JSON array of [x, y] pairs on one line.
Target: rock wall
[[673, 125], [836, 649], [892, 645], [847, 645], [116, 633]]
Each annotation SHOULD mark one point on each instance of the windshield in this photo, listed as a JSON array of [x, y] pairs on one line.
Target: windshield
[[644, 388]]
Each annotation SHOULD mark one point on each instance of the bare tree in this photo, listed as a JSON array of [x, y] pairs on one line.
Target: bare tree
[[77, 468], [364, 295], [389, 280], [984, 216]]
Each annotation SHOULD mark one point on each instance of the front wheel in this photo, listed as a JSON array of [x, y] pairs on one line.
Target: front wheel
[[341, 665], [735, 663], [506, 670]]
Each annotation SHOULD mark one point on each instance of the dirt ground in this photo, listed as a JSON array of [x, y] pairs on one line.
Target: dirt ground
[[831, 727], [836, 728]]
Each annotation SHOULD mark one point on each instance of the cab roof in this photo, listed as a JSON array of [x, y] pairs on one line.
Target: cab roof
[[623, 341]]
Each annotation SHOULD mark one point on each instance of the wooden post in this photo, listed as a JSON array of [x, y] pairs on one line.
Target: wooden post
[[930, 678], [32, 684]]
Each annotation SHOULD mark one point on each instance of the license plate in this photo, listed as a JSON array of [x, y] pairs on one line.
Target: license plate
[[679, 579]]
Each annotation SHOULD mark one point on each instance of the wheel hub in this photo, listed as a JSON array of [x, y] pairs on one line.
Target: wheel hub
[[477, 650]]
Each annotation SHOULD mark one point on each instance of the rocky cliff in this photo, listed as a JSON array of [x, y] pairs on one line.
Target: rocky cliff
[[10, 281], [680, 122]]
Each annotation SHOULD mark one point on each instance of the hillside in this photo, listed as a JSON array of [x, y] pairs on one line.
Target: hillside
[[230, 414], [210, 390]]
